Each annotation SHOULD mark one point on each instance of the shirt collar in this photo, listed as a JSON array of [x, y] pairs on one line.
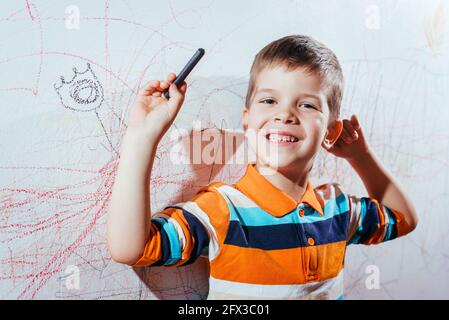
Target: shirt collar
[[272, 199]]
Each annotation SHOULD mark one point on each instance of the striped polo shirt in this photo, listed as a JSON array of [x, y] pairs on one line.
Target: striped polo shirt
[[262, 244]]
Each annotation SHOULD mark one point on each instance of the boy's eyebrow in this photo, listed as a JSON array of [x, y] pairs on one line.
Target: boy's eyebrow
[[311, 95], [266, 90]]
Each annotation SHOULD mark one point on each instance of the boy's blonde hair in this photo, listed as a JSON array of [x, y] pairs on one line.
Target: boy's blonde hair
[[299, 51]]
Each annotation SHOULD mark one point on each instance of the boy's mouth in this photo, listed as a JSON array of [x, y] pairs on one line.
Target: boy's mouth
[[281, 138]]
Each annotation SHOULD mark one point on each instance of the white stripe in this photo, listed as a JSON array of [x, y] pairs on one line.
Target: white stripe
[[359, 213], [181, 237], [355, 221], [327, 289], [235, 197], [194, 209], [329, 190]]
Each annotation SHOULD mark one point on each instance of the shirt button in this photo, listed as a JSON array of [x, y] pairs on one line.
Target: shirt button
[[301, 212], [310, 241]]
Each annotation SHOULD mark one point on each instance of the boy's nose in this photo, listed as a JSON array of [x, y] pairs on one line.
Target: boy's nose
[[285, 117]]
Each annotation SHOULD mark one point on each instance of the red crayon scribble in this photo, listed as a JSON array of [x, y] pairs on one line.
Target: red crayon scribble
[[45, 227], [29, 9]]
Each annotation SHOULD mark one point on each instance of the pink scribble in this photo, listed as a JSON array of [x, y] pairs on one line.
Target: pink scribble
[[29, 9]]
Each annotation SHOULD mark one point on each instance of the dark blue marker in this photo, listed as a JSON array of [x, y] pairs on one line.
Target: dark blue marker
[[186, 70]]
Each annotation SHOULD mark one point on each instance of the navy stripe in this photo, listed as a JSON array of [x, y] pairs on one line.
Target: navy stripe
[[282, 236], [288, 235], [198, 232], [165, 244], [328, 231], [371, 221]]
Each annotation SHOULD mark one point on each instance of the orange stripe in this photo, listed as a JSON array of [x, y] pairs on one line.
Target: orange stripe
[[216, 208], [289, 266], [402, 224], [152, 251], [211, 202]]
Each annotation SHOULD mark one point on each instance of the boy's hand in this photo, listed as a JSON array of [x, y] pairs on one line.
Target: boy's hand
[[351, 143], [151, 111]]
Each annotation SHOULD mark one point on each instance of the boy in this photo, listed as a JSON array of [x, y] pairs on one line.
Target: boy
[[271, 235]]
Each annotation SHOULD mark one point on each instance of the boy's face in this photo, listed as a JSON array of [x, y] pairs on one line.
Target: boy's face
[[292, 102]]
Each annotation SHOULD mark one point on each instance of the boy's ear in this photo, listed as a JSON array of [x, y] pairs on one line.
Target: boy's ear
[[332, 134], [245, 118]]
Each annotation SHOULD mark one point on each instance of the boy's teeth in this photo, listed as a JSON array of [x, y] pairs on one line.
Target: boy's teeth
[[279, 138]]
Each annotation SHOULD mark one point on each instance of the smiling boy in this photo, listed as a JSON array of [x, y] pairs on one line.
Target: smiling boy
[[271, 234]]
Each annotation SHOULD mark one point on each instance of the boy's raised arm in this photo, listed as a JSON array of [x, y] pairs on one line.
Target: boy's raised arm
[[128, 225], [380, 184]]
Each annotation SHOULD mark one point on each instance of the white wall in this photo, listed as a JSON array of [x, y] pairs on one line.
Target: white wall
[[57, 165]]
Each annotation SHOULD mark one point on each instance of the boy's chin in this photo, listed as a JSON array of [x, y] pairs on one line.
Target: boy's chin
[[280, 163]]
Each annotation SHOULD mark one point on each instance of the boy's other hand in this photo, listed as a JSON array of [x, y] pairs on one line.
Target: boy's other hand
[[152, 112], [351, 143]]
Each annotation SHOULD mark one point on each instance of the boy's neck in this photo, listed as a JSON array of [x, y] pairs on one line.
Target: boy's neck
[[292, 181]]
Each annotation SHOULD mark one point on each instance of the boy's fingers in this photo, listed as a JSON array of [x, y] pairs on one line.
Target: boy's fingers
[[157, 87], [342, 135], [349, 128], [355, 122], [347, 124], [164, 85], [171, 77], [183, 87], [346, 135], [147, 88], [175, 94], [336, 146], [357, 127], [152, 86], [345, 138], [155, 83]]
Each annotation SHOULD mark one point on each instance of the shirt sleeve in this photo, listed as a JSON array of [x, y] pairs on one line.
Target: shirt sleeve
[[182, 232], [371, 222]]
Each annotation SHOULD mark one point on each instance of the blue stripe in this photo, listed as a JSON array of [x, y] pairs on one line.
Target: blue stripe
[[287, 235], [165, 244], [198, 232], [342, 297], [342, 202], [256, 217], [175, 246]]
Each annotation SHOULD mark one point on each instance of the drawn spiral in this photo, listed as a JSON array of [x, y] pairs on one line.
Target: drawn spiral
[[85, 91], [82, 93]]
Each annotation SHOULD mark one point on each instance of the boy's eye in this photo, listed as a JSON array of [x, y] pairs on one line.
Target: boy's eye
[[270, 101], [307, 105]]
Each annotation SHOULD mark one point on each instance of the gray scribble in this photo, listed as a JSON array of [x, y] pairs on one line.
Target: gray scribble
[[83, 93]]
